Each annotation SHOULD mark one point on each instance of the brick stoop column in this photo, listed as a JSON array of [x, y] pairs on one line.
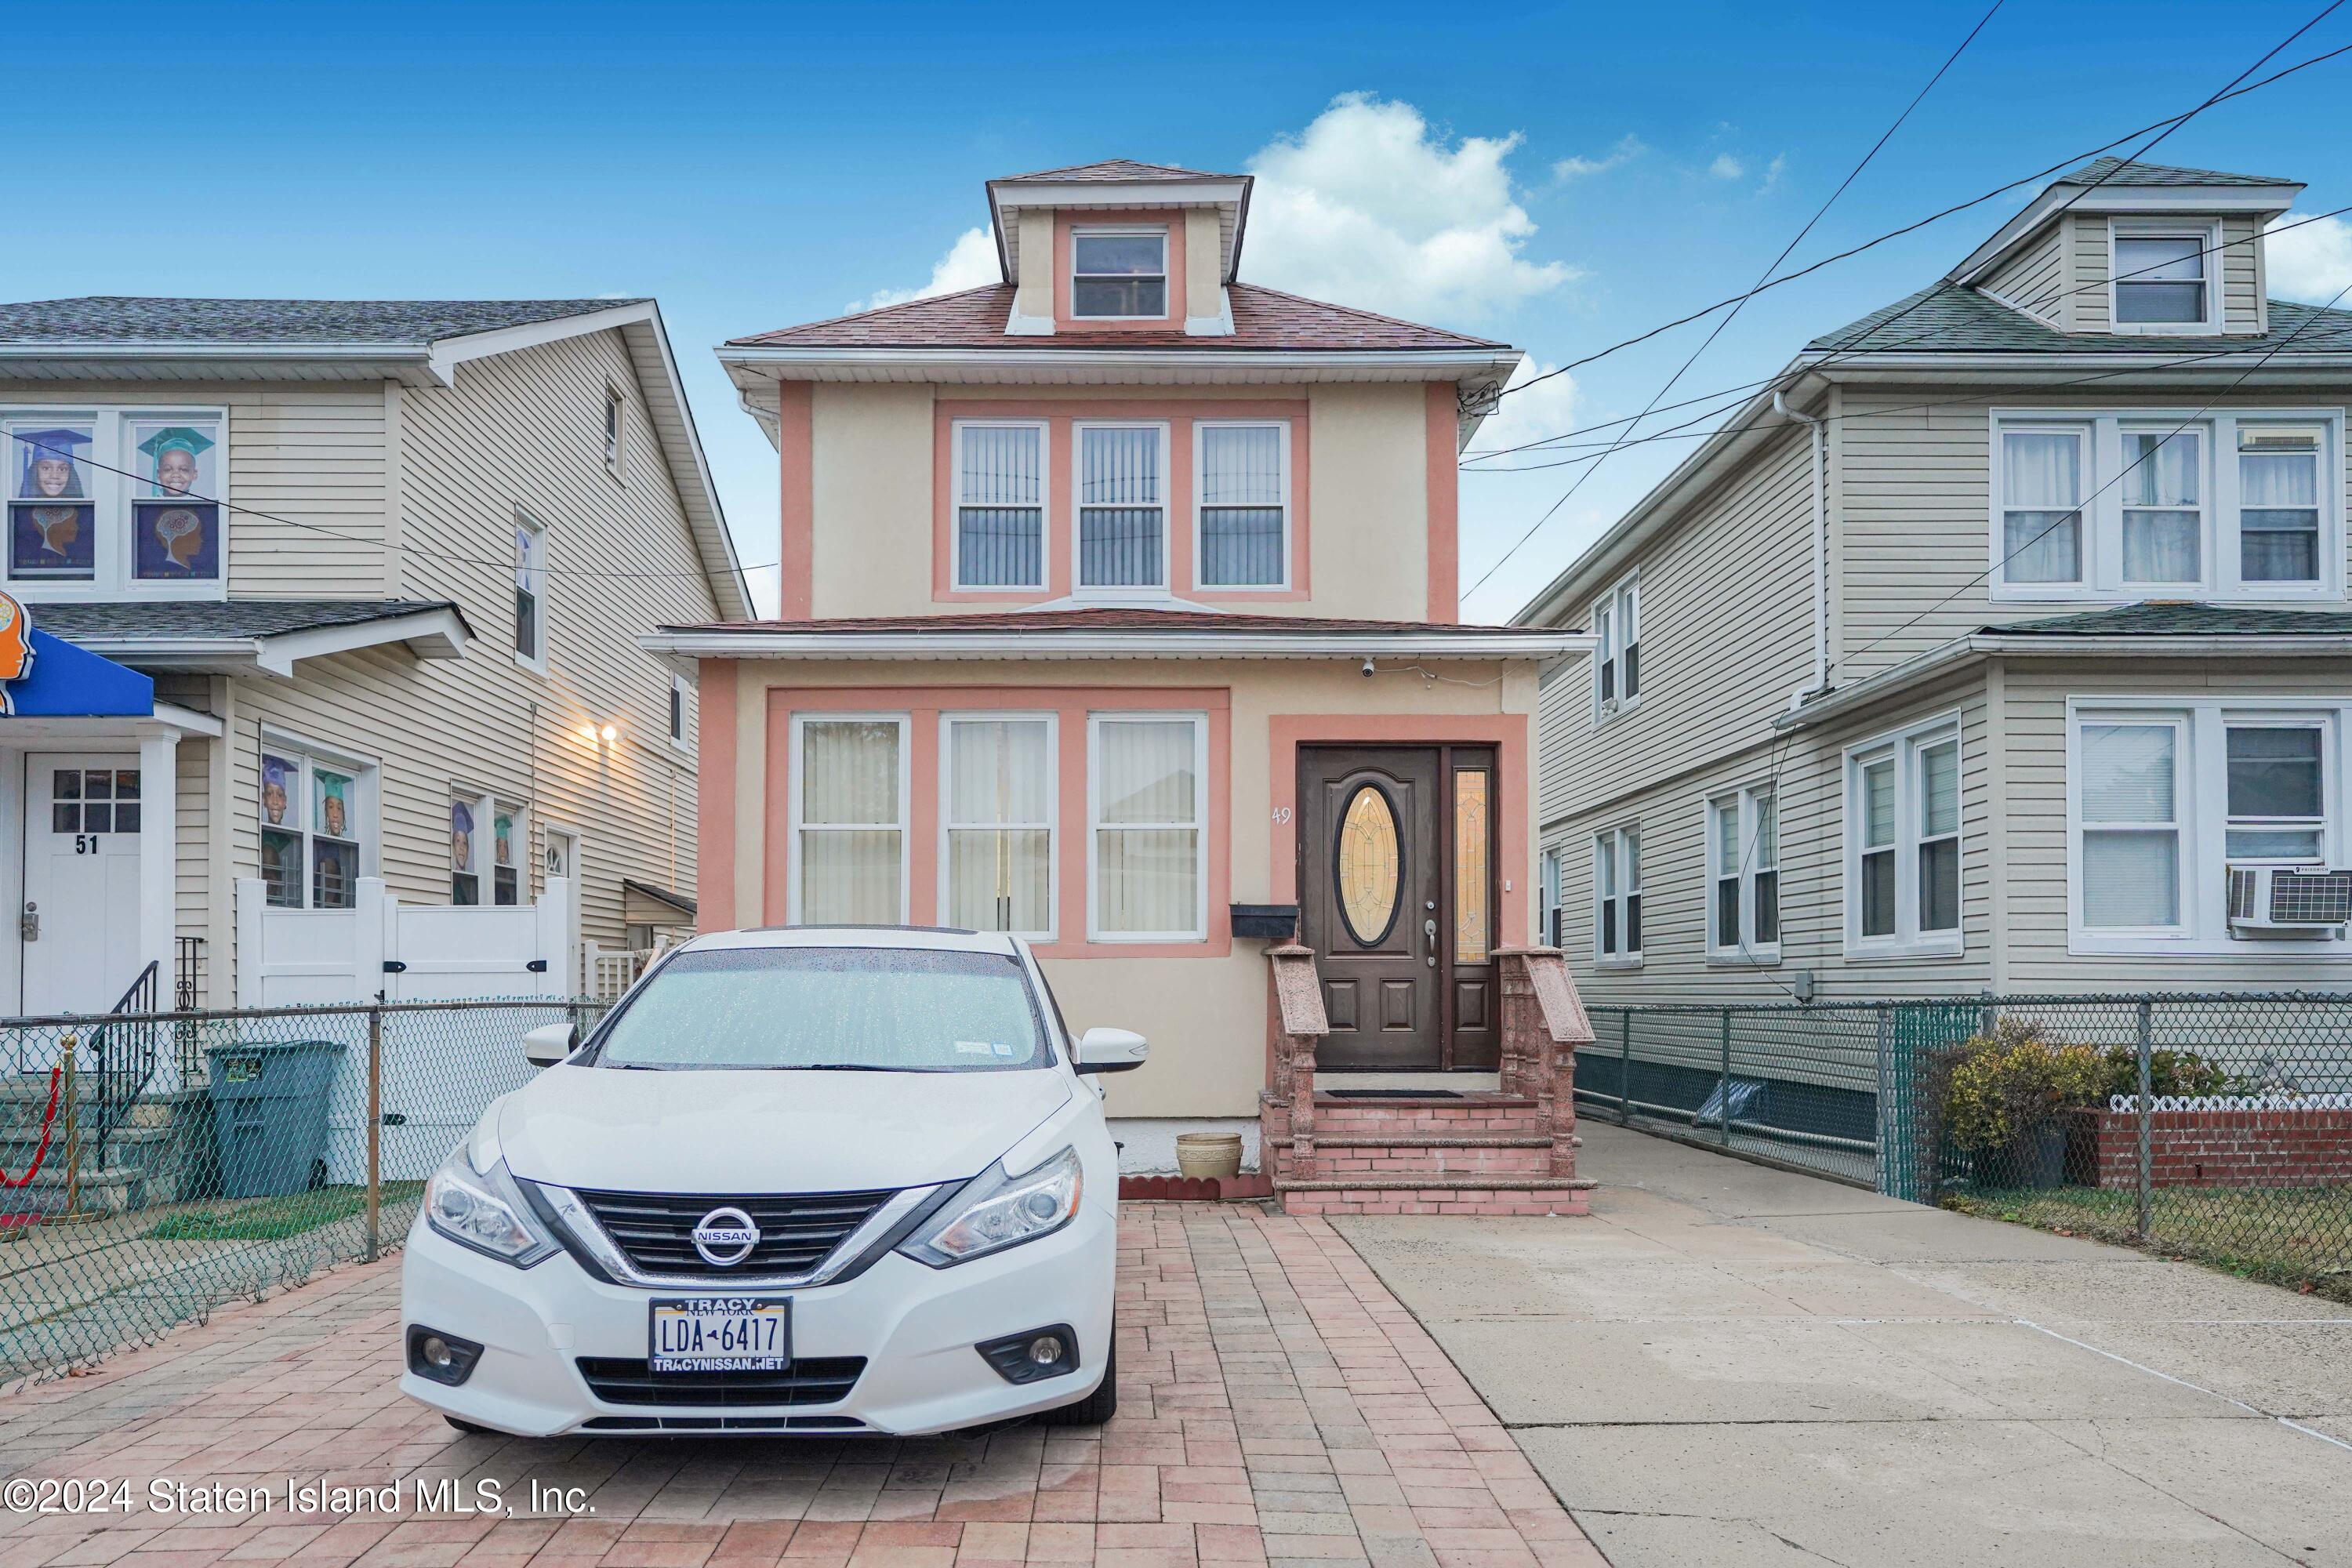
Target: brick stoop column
[[1295, 1025], [1543, 1023]]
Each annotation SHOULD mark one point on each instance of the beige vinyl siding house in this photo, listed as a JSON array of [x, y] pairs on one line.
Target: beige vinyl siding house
[[2019, 767], [376, 458]]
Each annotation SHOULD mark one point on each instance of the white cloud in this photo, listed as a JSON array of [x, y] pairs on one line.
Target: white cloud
[[1772, 172], [1529, 413], [1371, 207], [1727, 167], [1628, 148], [970, 262], [2312, 261]]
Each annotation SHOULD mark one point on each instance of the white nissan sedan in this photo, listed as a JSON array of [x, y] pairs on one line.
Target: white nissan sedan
[[810, 1180]]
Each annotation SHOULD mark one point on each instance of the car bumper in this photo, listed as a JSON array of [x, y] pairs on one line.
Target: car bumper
[[914, 1326]]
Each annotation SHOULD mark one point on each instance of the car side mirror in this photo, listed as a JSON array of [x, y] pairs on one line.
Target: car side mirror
[[550, 1044], [1111, 1051]]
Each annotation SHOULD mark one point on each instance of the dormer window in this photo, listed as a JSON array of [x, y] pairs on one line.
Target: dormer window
[[1119, 274], [2162, 279]]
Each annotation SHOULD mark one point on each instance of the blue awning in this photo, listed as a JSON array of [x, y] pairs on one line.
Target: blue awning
[[66, 682]]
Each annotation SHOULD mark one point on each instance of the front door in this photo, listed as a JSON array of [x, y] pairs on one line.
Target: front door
[[78, 928], [1397, 897]]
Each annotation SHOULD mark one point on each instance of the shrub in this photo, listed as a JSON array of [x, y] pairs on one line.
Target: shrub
[[2004, 1084]]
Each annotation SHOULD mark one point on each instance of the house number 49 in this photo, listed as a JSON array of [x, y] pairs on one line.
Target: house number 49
[[1281, 814]]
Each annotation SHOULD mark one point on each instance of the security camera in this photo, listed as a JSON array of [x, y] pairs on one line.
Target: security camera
[[1367, 669]]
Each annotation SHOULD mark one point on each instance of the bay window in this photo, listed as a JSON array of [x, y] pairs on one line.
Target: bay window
[[114, 503], [1617, 661], [1244, 485], [999, 504], [317, 815], [1617, 896], [1122, 534], [2119, 507], [848, 802], [1119, 274], [997, 796], [1744, 876], [2165, 796], [1148, 828], [1903, 843]]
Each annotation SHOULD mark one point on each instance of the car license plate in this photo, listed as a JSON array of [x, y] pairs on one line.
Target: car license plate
[[722, 1333]]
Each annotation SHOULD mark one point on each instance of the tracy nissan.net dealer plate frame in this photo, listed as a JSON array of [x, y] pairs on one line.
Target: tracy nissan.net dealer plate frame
[[764, 1324]]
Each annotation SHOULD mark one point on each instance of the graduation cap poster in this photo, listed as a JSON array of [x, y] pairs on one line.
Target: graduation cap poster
[[178, 460], [47, 464]]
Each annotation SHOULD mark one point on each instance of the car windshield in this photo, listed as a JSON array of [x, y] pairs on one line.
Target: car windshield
[[878, 1009]]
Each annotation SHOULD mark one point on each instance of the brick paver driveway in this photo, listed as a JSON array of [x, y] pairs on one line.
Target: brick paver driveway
[[1277, 1407]]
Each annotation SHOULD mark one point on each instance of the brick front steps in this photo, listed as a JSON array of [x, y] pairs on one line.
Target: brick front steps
[[1562, 1195]]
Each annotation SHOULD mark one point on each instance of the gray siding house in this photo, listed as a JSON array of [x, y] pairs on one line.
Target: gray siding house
[[2003, 645]]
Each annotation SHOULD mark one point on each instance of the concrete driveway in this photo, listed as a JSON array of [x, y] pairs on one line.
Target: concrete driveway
[[1729, 1365]]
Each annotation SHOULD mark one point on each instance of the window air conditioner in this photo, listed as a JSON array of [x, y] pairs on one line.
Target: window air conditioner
[[2282, 901]]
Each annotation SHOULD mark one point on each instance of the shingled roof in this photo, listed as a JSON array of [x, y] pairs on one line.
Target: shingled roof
[[2125, 172], [1110, 170], [1262, 319], [121, 319], [229, 619], [1951, 318], [2168, 618]]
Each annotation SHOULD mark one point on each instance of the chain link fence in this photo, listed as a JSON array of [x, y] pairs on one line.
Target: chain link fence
[[154, 1166], [2211, 1127]]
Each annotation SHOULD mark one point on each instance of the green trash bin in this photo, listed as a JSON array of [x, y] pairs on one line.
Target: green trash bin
[[270, 1113]]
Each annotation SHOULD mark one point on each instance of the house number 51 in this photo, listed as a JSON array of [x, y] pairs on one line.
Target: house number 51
[[85, 843]]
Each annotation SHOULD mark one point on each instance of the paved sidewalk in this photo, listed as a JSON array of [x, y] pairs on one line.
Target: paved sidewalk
[[1728, 1365], [1279, 1409]]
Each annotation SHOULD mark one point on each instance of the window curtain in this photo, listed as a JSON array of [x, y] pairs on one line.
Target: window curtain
[[1001, 518], [2161, 522], [2278, 516], [2041, 486], [2131, 875], [1000, 838], [1148, 833], [1241, 506], [851, 843], [1120, 513]]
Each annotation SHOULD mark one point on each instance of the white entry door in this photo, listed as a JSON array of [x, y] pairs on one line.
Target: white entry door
[[562, 855], [80, 924]]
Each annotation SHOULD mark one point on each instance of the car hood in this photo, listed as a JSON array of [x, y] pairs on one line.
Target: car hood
[[768, 1131]]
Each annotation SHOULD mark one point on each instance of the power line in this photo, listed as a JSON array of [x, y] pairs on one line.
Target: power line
[[2228, 89], [378, 543], [1773, 266]]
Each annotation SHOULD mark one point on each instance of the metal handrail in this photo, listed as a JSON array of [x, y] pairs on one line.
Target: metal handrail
[[123, 1075]]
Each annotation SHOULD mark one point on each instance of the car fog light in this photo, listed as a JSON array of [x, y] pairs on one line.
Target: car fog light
[[441, 1358], [1038, 1354]]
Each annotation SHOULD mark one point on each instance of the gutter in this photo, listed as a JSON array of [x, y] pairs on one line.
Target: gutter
[[1368, 647], [779, 357]]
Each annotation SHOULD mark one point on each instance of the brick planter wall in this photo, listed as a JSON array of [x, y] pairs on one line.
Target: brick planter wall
[[2271, 1147]]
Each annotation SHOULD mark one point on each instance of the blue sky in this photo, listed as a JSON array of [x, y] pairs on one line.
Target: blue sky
[[1562, 176]]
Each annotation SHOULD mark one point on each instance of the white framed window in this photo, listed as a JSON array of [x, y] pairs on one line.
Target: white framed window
[[1743, 865], [849, 799], [1617, 896], [1617, 661], [2236, 506], [317, 814], [530, 592], [2165, 795], [1241, 530], [2164, 276], [1119, 274], [117, 503], [1000, 502], [998, 777], [1903, 843], [616, 417], [1121, 483], [489, 839], [1147, 826], [1551, 913], [681, 701]]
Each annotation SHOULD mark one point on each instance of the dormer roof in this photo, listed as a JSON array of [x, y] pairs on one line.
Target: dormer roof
[[2110, 186], [1119, 184]]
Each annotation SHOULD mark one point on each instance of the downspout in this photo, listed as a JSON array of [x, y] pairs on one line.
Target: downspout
[[1820, 454]]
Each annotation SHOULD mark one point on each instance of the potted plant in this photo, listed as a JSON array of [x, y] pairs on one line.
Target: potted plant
[[2006, 1098]]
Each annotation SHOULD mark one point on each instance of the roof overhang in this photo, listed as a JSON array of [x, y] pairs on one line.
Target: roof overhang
[[168, 718], [1962, 652], [683, 645], [1231, 198], [642, 903], [2151, 200], [2258, 362], [436, 633]]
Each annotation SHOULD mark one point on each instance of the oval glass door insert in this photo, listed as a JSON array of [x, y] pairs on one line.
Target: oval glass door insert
[[1367, 868]]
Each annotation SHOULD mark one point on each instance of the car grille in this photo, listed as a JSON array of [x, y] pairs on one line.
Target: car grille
[[811, 1380], [796, 1231]]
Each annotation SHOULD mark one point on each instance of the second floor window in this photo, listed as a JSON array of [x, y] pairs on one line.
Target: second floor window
[[1617, 662], [1122, 507], [1903, 843], [1000, 513], [114, 503], [1744, 872], [615, 410], [531, 590], [1617, 896], [1119, 274], [2122, 507], [1245, 516]]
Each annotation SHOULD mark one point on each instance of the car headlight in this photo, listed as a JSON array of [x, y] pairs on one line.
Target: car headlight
[[997, 1210], [485, 1210]]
